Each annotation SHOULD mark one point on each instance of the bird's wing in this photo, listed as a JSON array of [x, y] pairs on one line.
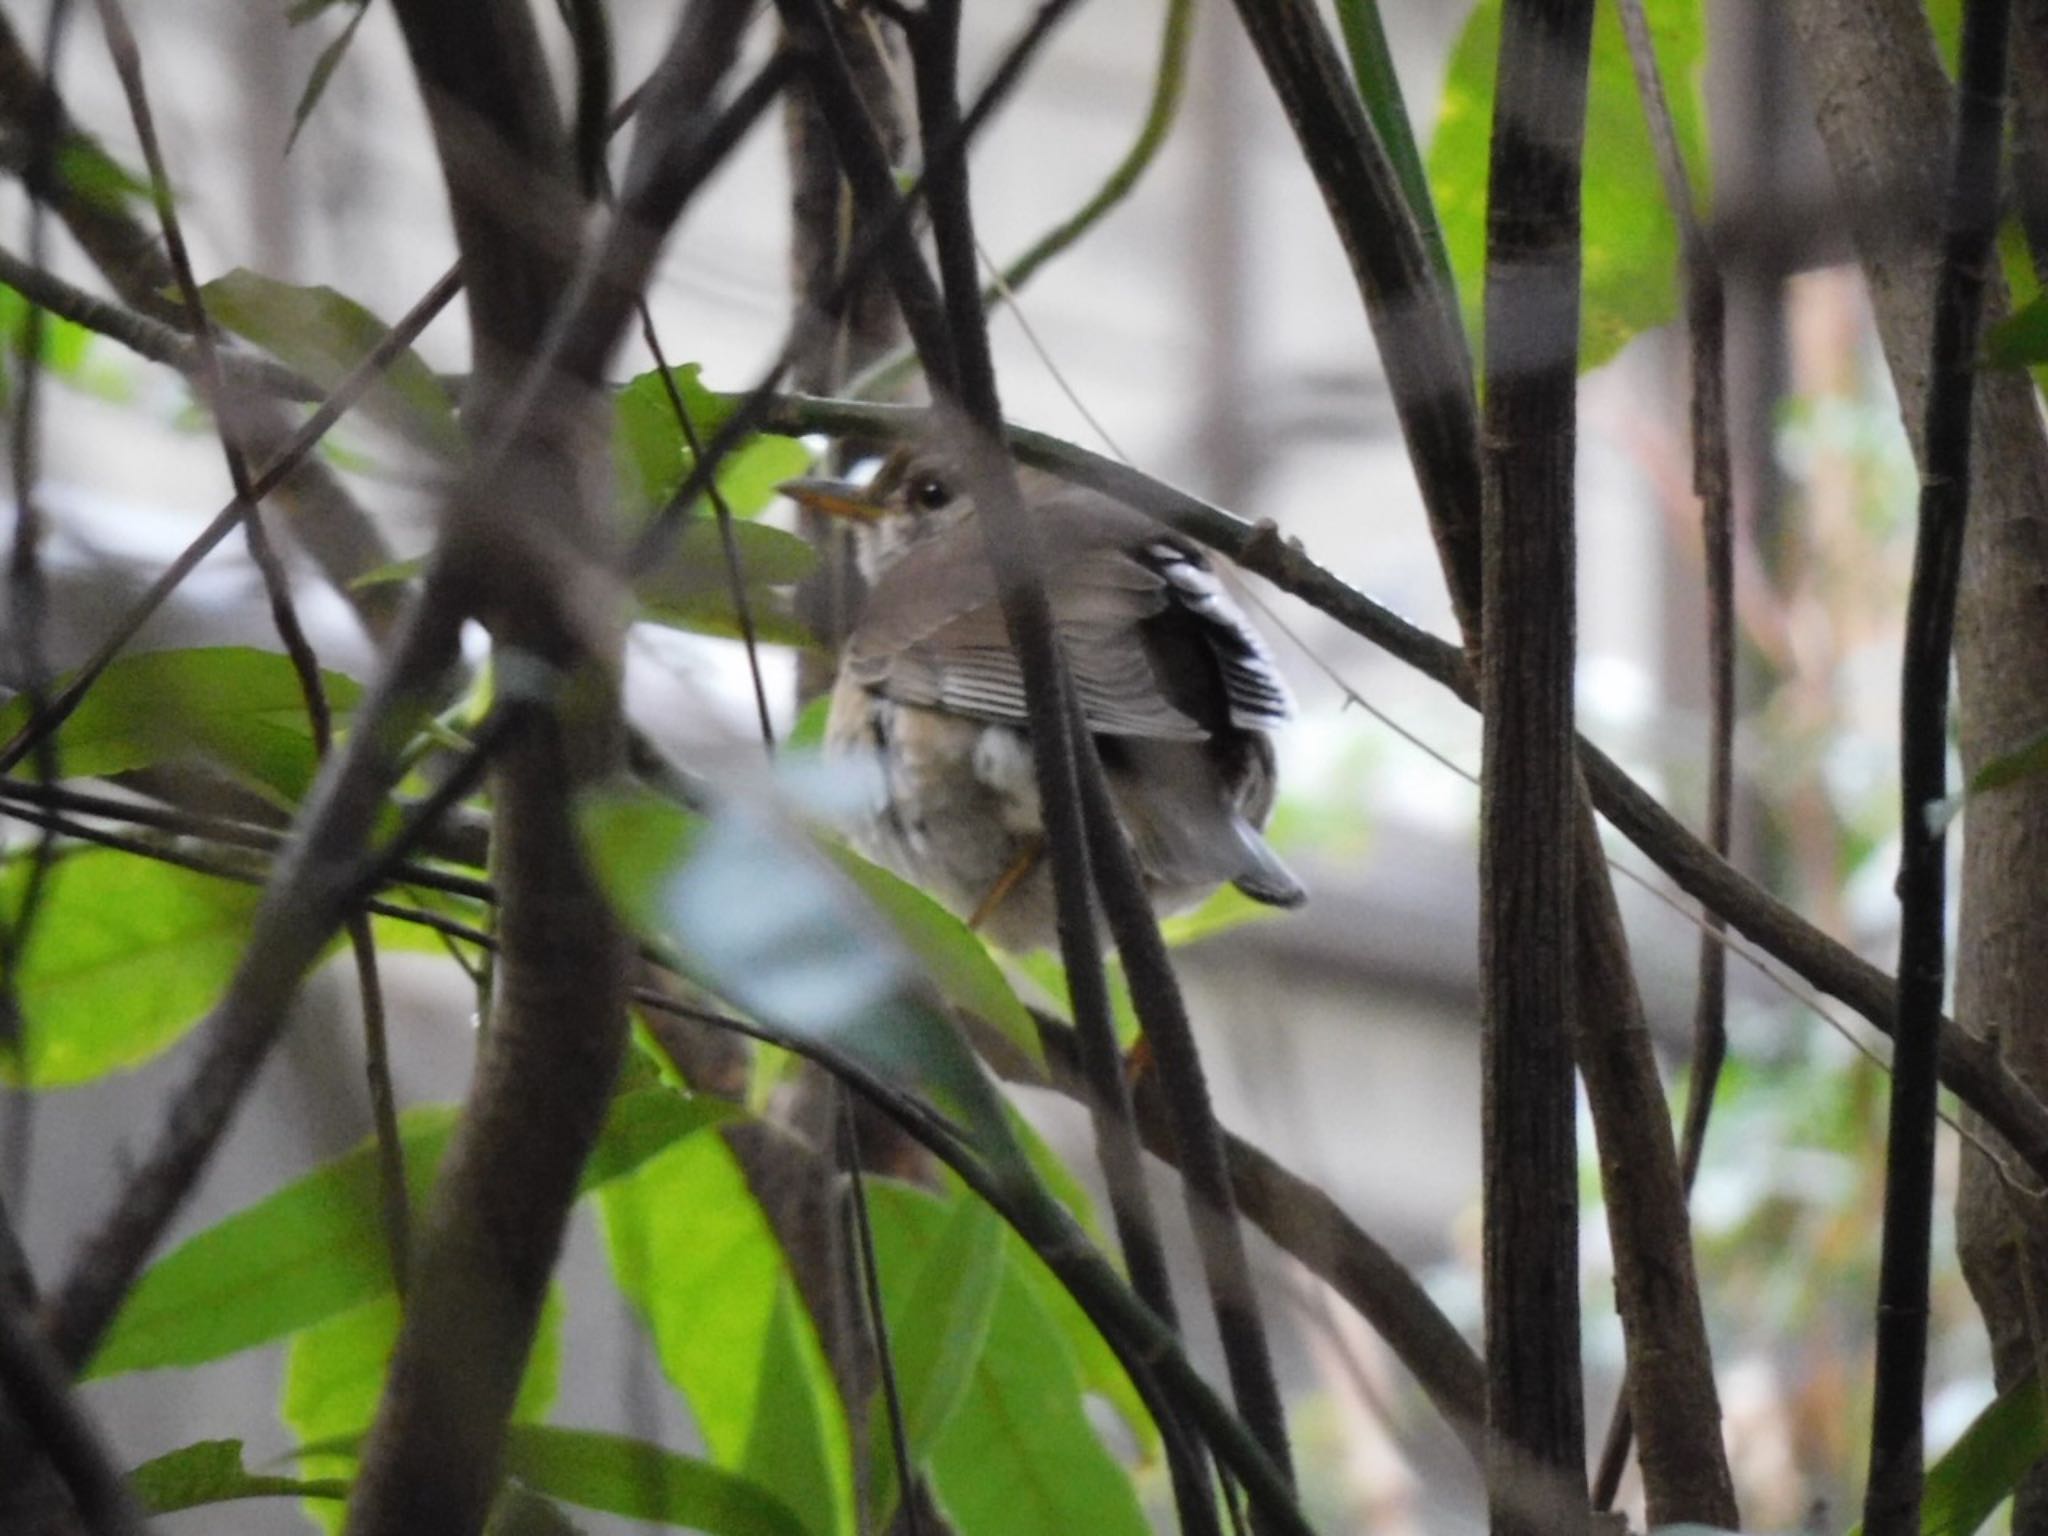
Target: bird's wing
[[1156, 647]]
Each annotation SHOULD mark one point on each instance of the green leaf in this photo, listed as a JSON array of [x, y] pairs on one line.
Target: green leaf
[[1102, 1373], [653, 457], [951, 952], [234, 706], [313, 1249], [1018, 1455], [795, 1443], [621, 1476], [519, 1511], [324, 335], [937, 1328], [334, 1375], [389, 575], [765, 917], [692, 589], [65, 343], [316, 1247], [1631, 277], [694, 1254], [1379, 90], [808, 733], [1226, 908], [2021, 339], [323, 71], [211, 1472], [1980, 1471], [126, 956], [2025, 760], [96, 177]]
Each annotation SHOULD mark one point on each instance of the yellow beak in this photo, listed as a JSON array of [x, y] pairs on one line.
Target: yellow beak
[[834, 498]]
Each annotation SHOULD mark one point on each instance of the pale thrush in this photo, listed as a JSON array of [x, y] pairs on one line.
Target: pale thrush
[[1176, 688]]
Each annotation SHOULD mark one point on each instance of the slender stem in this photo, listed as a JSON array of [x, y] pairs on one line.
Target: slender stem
[[142, 334], [27, 596], [1379, 90], [878, 1316], [1169, 88], [1892, 1500], [1706, 312], [729, 548]]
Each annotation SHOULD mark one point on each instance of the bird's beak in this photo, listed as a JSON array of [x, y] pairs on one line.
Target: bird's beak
[[834, 498]]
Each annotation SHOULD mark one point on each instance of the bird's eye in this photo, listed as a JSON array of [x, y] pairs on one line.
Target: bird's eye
[[929, 494]]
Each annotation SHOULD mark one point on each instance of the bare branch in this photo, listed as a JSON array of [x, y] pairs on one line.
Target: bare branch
[[1891, 1505]]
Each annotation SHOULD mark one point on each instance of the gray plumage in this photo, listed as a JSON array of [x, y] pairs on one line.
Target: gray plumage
[[1175, 686]]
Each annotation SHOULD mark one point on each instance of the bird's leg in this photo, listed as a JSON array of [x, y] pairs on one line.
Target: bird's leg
[[1008, 881]]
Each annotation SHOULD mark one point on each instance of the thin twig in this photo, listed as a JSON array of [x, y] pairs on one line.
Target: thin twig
[[338, 402], [284, 613], [878, 1317], [144, 335], [27, 596], [1892, 1499], [1706, 308], [1169, 88], [312, 889], [1064, 761], [735, 574], [867, 173]]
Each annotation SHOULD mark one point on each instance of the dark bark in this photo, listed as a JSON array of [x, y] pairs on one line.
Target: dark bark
[[1892, 1501], [1528, 829], [825, 225]]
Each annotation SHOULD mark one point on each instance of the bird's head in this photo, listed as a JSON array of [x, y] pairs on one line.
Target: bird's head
[[913, 496]]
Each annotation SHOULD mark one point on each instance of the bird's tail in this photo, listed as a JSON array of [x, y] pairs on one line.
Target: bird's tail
[[1264, 878]]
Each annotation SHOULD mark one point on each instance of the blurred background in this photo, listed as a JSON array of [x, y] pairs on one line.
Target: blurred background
[[1208, 330]]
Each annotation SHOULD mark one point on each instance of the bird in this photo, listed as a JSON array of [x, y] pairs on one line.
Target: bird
[[1178, 691]]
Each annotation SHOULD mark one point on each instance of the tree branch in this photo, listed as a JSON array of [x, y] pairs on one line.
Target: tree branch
[[1536, 1432], [1706, 310], [527, 522], [1892, 1499]]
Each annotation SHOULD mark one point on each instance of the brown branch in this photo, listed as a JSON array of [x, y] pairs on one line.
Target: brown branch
[[1305, 1223], [145, 336], [1706, 311], [1536, 1431], [525, 521], [1892, 1499]]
